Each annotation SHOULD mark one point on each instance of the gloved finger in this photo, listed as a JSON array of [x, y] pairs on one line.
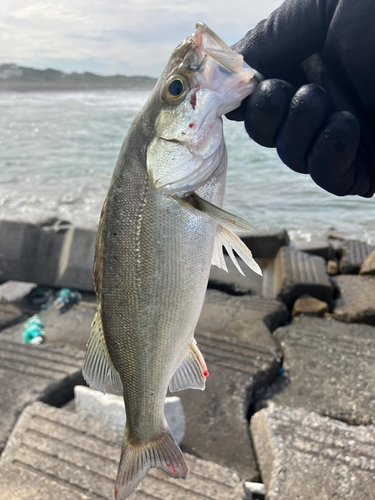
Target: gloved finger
[[308, 112], [267, 107], [335, 163], [238, 114], [278, 45]]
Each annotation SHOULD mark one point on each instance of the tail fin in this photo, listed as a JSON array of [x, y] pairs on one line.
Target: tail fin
[[137, 460]]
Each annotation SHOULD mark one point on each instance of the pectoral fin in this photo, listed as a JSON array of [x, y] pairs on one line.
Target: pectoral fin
[[191, 373], [97, 365], [225, 235], [225, 219], [218, 255]]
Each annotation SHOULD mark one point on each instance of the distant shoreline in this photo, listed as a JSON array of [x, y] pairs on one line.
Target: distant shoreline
[[15, 78], [18, 86]]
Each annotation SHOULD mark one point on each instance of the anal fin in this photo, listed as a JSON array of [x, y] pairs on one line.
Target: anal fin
[[97, 365], [191, 373]]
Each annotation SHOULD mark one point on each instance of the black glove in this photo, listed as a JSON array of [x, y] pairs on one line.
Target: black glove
[[322, 121]]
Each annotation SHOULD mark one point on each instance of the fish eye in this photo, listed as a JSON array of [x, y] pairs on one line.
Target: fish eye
[[175, 89]]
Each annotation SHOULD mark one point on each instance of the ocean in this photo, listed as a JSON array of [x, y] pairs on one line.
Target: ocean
[[58, 151]]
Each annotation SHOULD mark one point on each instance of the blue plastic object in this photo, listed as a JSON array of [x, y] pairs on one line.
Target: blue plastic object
[[33, 333]]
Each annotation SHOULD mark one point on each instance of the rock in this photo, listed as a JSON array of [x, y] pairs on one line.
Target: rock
[[15, 291], [328, 368], [356, 303], [109, 411], [239, 317], [216, 418], [368, 266], [53, 454], [303, 455], [61, 258], [233, 282], [354, 253], [266, 245], [298, 273], [319, 248], [9, 314], [29, 373], [332, 267], [310, 306]]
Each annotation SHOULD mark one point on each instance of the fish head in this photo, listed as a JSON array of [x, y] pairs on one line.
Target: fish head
[[203, 80]]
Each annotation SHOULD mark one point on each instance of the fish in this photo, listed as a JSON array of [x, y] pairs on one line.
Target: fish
[[160, 229]]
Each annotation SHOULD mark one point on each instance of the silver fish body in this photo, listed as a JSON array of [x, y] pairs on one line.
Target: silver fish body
[[156, 261], [154, 248]]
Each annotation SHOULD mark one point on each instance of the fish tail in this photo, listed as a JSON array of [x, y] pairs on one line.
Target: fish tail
[[137, 459]]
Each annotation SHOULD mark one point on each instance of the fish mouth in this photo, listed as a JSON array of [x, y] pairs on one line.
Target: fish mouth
[[209, 43]]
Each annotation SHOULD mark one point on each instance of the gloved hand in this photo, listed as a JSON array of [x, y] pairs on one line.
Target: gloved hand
[[322, 121]]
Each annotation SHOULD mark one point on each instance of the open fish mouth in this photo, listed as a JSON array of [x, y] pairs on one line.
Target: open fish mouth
[[209, 43]]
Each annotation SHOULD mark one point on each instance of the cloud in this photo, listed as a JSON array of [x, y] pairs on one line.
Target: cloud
[[119, 36]]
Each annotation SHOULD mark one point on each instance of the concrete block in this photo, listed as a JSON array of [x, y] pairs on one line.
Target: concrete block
[[109, 411], [239, 316], [15, 291], [29, 373], [9, 314], [356, 303], [266, 245], [61, 257], [47, 258], [368, 266], [66, 258], [53, 454], [216, 418], [354, 253], [72, 327], [298, 273], [233, 282], [319, 248], [76, 261], [18, 246], [303, 455], [328, 368]]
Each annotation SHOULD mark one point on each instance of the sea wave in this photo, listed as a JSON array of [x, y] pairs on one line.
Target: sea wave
[[58, 151]]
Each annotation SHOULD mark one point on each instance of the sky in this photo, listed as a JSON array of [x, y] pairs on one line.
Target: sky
[[111, 36]]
